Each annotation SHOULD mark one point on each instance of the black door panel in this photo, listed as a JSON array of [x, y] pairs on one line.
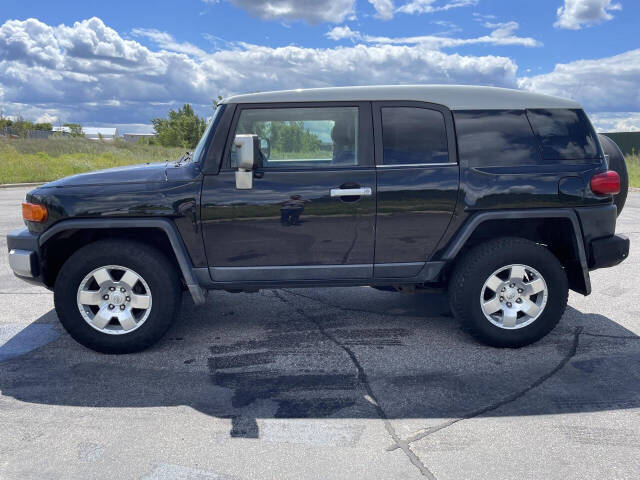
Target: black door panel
[[417, 183], [415, 205], [288, 219]]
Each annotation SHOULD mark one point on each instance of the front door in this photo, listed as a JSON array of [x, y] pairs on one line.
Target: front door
[[310, 214]]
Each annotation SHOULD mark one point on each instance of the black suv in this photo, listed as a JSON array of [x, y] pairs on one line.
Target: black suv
[[505, 197]]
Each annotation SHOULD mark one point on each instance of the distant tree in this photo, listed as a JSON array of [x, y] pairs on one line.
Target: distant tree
[[43, 126], [216, 101], [183, 128], [75, 129]]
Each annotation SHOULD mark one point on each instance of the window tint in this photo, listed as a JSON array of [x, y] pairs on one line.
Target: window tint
[[564, 134], [303, 137], [495, 138], [413, 135]]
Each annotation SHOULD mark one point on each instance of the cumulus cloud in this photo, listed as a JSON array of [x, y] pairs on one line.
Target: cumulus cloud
[[575, 14], [311, 11], [616, 121], [384, 8], [604, 84], [87, 72], [502, 34]]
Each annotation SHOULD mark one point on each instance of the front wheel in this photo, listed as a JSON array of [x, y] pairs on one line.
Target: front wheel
[[508, 292], [117, 296]]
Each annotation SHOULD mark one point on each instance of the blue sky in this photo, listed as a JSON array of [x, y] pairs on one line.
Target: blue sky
[[124, 62]]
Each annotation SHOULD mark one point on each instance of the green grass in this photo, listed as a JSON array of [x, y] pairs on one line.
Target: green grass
[[34, 160], [633, 165]]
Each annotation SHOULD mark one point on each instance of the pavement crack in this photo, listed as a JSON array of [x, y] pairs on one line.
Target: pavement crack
[[363, 379], [329, 304], [506, 400], [621, 337]]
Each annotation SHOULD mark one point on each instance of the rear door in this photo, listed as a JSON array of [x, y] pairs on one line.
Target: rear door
[[311, 212], [417, 180]]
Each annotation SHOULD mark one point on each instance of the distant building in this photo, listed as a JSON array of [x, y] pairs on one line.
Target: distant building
[[62, 129], [134, 137], [96, 133]]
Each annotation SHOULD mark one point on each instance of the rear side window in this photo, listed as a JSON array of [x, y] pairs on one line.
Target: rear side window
[[412, 135], [564, 134], [496, 138]]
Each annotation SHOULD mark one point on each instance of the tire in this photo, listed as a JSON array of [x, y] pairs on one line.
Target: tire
[[618, 165], [147, 307], [467, 292]]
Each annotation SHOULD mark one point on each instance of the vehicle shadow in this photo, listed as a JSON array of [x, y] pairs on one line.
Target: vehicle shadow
[[302, 354]]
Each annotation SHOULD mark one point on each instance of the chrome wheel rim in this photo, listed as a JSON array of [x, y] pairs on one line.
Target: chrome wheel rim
[[114, 300], [514, 296]]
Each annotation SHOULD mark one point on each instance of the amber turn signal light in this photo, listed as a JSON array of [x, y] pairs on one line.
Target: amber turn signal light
[[34, 213]]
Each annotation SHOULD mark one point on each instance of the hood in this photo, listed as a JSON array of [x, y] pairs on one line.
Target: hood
[[143, 173]]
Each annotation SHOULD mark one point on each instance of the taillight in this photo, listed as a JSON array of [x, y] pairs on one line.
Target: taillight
[[607, 183], [34, 213]]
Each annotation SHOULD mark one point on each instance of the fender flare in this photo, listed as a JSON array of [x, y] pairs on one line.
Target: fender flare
[[470, 226], [164, 224]]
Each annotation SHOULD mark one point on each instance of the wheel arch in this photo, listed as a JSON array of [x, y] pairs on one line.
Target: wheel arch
[[551, 228], [67, 235]]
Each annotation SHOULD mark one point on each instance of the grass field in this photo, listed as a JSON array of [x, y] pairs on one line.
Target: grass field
[[32, 160], [633, 164]]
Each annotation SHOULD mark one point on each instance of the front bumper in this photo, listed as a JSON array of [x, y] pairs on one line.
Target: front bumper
[[24, 254]]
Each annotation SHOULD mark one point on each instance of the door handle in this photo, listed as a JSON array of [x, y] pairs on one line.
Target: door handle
[[351, 192]]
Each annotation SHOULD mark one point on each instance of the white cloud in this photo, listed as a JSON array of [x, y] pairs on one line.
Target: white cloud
[[616, 121], [87, 72], [312, 11], [502, 34], [384, 8], [578, 13], [431, 6], [603, 84], [167, 42]]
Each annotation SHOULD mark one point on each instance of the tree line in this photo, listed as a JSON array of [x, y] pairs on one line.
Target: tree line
[[184, 128]]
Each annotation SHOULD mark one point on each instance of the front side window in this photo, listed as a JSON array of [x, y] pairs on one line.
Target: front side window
[[412, 135], [564, 134], [489, 138], [303, 137]]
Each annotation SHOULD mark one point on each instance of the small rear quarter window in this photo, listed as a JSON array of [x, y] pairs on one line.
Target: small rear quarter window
[[495, 138], [564, 134]]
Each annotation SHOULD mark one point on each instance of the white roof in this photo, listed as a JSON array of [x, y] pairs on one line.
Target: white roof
[[104, 131], [455, 97]]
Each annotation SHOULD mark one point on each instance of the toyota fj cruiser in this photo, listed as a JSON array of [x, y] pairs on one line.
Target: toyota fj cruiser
[[505, 197]]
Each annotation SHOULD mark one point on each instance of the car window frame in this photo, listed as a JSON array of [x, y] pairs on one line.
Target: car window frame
[[377, 131], [365, 134]]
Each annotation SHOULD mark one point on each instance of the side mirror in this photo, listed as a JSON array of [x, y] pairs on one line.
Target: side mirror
[[246, 148]]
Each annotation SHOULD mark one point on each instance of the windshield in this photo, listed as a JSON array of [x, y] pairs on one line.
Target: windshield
[[200, 148]]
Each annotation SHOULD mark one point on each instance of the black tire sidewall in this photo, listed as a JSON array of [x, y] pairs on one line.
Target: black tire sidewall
[[149, 263], [525, 253]]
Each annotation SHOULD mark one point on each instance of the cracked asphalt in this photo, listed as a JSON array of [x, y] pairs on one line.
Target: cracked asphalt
[[323, 383]]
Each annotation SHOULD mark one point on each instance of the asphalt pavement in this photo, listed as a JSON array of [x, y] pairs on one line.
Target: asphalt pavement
[[347, 383]]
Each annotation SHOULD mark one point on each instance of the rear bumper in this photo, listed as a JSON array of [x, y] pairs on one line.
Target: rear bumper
[[608, 251], [24, 255]]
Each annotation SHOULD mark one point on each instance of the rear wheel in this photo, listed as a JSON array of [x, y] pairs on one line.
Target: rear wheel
[[117, 296], [508, 292]]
